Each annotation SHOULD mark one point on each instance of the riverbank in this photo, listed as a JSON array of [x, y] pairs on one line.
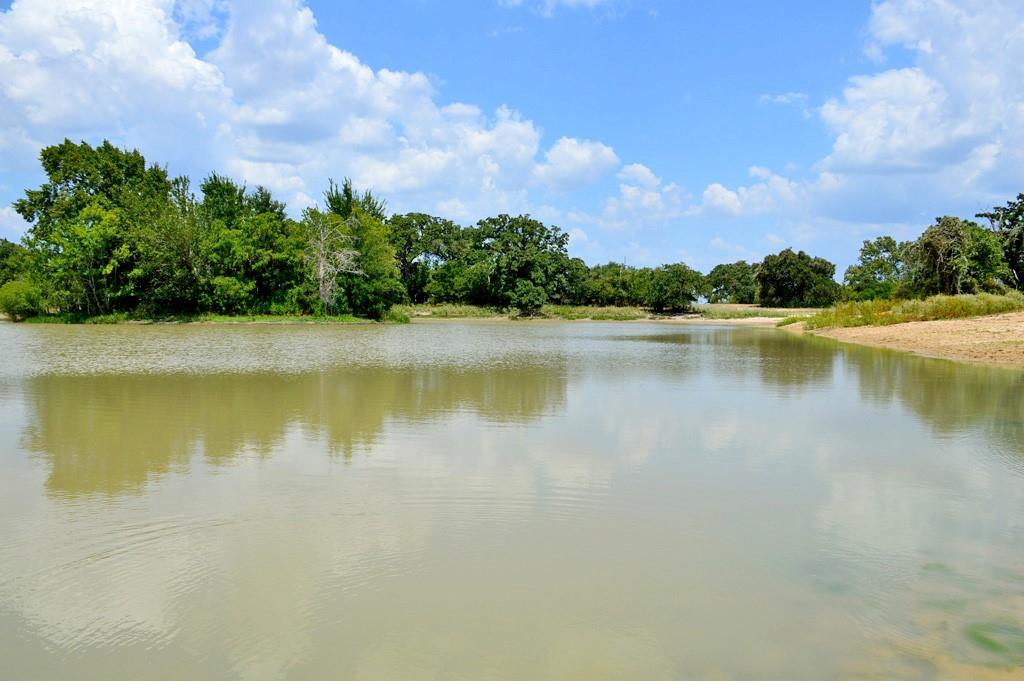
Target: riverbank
[[725, 314], [995, 340], [717, 313]]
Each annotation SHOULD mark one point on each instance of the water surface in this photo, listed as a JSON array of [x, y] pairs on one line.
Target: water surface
[[503, 501]]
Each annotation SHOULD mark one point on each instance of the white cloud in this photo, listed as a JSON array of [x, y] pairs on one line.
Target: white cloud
[[578, 237], [571, 163], [785, 98], [719, 198], [273, 103], [639, 175], [73, 68], [769, 193], [944, 134], [642, 205], [547, 7], [956, 116], [895, 120]]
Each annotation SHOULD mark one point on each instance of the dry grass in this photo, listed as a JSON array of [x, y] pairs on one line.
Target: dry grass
[[887, 312]]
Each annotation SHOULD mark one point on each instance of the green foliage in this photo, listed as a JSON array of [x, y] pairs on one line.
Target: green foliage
[[673, 288], [611, 284], [732, 283], [13, 261], [885, 312], [527, 297], [954, 256], [878, 272], [20, 299], [85, 219], [527, 261], [422, 243], [377, 286], [792, 319], [248, 239], [1008, 225], [113, 237], [791, 279], [343, 201]]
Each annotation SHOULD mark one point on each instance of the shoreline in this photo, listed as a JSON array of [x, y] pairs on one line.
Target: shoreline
[[991, 340]]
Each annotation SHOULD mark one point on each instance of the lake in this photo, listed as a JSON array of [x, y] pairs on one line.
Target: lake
[[496, 500]]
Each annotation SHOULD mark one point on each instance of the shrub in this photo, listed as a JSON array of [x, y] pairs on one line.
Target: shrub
[[20, 299], [527, 297]]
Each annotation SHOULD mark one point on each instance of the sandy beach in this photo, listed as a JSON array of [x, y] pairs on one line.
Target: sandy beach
[[996, 340]]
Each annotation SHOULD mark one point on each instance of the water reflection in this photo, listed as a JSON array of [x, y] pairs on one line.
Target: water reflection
[[111, 434], [506, 501], [789, 365], [949, 396]]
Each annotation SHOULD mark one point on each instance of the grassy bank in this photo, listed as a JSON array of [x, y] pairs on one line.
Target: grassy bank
[[595, 313], [886, 312], [729, 311], [567, 312], [450, 311]]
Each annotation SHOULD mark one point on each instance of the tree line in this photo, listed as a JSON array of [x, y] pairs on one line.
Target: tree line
[[110, 233]]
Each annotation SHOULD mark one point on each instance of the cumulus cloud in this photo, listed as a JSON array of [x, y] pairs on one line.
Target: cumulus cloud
[[769, 192], [956, 115], [943, 134], [570, 163], [642, 201], [639, 175], [274, 103]]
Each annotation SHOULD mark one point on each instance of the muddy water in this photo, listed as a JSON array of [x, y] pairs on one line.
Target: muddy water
[[503, 501]]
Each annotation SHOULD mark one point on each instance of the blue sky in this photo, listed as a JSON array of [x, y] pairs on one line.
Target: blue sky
[[652, 131]]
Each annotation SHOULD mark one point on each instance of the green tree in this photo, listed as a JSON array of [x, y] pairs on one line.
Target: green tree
[[879, 270], [343, 201], [173, 266], [84, 223], [422, 244], [376, 285], [523, 249], [1008, 224], [14, 261], [795, 279], [732, 283], [673, 288], [955, 256], [610, 284], [255, 253]]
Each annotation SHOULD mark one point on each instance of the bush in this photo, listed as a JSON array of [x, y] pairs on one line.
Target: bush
[[231, 296], [527, 297], [20, 300]]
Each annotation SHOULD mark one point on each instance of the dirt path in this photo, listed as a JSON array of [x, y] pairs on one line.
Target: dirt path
[[995, 340]]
